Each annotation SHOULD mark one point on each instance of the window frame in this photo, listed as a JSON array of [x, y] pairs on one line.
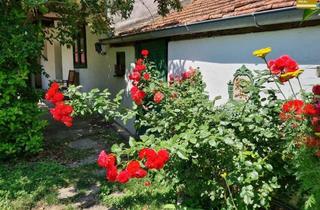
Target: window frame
[[120, 72], [80, 65]]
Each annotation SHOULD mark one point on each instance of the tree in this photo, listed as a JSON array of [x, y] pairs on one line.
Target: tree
[[22, 33]]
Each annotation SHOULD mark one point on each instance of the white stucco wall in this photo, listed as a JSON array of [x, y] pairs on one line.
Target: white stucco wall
[[100, 70], [219, 57], [52, 63], [115, 84]]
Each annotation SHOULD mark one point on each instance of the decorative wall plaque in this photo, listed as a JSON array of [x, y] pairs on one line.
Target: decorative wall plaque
[[238, 87]]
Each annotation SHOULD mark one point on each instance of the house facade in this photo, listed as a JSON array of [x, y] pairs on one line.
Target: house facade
[[217, 36]]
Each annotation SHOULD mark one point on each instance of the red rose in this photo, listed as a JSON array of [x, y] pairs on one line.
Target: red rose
[[50, 94], [139, 68], [137, 95], [54, 86], [140, 173], [133, 166], [316, 89], [146, 76], [106, 161], [151, 163], [135, 76], [186, 75], [112, 174], [283, 64], [67, 109], [293, 106], [102, 159], [123, 177], [139, 62], [67, 120], [58, 97], [145, 53], [309, 109], [164, 155], [147, 153], [158, 97]]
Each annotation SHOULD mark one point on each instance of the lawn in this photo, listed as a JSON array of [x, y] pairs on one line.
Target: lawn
[[57, 178]]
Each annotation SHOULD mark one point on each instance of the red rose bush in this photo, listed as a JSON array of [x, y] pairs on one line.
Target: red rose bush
[[61, 112], [134, 169]]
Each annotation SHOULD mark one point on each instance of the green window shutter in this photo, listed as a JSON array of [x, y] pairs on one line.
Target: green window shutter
[[158, 53]]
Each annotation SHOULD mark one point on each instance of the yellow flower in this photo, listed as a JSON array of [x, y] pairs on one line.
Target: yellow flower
[[224, 175], [286, 76], [261, 53]]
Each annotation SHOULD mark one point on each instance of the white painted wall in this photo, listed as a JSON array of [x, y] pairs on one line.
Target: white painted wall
[[49, 64], [100, 70], [115, 84], [219, 57]]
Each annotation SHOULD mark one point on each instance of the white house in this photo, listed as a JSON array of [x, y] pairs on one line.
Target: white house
[[217, 36]]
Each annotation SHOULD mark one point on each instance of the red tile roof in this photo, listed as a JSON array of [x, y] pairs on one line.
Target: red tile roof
[[201, 10]]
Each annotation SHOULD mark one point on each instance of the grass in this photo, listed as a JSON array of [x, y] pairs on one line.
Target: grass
[[23, 185], [34, 183], [28, 185]]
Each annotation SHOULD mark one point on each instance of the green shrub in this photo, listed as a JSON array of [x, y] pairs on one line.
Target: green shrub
[[20, 126], [221, 157]]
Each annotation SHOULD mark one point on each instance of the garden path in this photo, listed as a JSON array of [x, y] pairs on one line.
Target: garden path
[[77, 148]]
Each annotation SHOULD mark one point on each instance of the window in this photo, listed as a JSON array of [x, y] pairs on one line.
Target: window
[[120, 67], [80, 50]]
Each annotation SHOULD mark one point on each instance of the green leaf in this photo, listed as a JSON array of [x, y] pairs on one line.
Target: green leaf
[[182, 156], [169, 206], [308, 13], [115, 148], [132, 142]]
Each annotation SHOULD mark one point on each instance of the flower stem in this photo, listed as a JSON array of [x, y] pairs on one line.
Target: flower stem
[[230, 193], [274, 79], [292, 89], [279, 88], [301, 89]]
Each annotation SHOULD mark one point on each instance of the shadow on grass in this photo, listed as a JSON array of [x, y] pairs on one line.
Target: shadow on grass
[[22, 185]]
